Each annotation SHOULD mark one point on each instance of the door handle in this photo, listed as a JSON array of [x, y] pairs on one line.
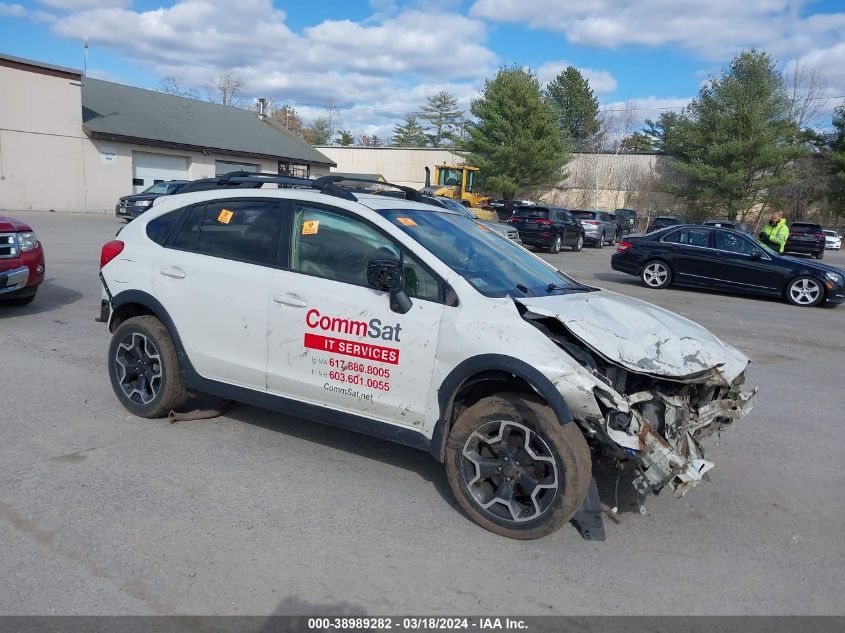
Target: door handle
[[292, 300], [173, 271]]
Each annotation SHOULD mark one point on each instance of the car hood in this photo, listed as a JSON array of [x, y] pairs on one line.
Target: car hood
[[140, 196], [813, 265], [11, 225], [643, 338]]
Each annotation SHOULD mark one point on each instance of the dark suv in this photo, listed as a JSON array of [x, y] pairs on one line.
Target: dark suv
[[805, 238], [627, 219], [130, 207], [662, 221], [548, 227]]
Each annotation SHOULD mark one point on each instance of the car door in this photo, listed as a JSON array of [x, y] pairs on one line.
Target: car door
[[690, 252], [214, 277], [569, 228], [736, 266], [333, 340]]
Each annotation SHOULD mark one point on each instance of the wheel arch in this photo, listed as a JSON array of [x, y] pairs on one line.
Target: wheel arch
[[483, 375], [131, 303]]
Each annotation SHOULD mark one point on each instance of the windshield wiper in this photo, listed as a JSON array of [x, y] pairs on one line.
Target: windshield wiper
[[551, 287], [524, 289]]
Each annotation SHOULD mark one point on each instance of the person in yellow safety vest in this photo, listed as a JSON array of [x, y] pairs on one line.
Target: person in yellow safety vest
[[775, 233]]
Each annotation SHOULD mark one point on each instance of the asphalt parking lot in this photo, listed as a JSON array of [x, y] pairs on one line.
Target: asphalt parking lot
[[255, 513]]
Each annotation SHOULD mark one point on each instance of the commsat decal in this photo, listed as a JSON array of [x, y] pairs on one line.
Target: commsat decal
[[339, 325]]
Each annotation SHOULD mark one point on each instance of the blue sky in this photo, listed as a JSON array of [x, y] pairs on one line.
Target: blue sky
[[376, 60]]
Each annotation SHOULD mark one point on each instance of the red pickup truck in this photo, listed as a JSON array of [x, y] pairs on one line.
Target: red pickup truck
[[21, 262]]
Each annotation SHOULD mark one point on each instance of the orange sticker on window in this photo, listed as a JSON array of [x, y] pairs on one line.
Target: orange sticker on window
[[310, 227], [483, 228], [406, 221], [225, 216]]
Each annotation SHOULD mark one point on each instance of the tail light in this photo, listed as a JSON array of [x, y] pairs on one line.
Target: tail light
[[821, 235], [593, 222], [542, 221], [623, 246], [110, 251]]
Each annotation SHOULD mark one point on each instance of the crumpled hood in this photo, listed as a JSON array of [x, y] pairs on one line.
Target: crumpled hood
[[642, 337]]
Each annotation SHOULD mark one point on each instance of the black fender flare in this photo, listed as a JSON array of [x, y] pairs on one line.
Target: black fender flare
[[491, 362], [154, 305]]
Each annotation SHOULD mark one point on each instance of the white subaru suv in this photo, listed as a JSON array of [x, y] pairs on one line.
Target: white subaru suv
[[415, 324]]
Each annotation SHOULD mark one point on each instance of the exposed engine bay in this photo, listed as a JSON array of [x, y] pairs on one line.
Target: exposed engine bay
[[644, 416]]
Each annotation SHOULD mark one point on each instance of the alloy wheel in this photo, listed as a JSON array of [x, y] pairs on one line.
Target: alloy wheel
[[139, 369], [655, 274], [509, 471], [805, 291]]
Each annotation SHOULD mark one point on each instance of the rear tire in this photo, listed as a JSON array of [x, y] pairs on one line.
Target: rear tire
[[656, 274], [820, 255], [144, 368], [804, 292], [600, 241], [514, 469]]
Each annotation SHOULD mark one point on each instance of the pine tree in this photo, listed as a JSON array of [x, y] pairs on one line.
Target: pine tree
[[443, 116], [575, 106], [514, 140], [410, 133], [733, 142], [345, 139]]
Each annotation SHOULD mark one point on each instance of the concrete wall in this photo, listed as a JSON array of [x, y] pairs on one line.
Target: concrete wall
[[403, 166], [603, 181], [41, 141]]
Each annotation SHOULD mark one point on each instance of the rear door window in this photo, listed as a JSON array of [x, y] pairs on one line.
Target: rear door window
[[690, 237], [733, 243]]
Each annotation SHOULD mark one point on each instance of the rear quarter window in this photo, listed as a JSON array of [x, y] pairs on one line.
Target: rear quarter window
[[159, 228]]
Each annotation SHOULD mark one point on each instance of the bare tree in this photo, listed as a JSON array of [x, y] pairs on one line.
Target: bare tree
[[604, 149], [175, 86], [225, 89], [806, 85], [289, 117]]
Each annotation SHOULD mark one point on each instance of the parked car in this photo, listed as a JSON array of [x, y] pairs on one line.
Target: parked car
[[502, 229], [505, 208], [21, 262], [600, 227], [548, 227], [832, 239], [628, 220], [130, 207], [728, 260], [736, 225], [662, 221], [806, 238], [354, 311]]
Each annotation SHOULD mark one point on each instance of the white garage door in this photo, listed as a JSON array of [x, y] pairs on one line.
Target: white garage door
[[148, 169], [225, 166]]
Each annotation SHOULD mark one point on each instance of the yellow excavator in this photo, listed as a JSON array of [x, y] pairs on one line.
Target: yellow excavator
[[459, 182]]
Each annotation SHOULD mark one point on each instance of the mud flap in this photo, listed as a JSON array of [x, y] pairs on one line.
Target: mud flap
[[588, 518]]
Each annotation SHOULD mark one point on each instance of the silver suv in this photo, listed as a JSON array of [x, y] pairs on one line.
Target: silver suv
[[599, 226]]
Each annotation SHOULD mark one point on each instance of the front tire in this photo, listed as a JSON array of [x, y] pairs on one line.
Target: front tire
[[144, 368], [805, 292], [556, 244], [579, 243], [656, 274], [514, 469]]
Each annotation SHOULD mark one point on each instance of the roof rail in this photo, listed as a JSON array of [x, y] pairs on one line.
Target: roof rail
[[410, 192], [254, 180]]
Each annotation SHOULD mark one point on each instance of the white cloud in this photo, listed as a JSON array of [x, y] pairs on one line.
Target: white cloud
[[13, 10], [710, 29], [601, 81], [636, 110]]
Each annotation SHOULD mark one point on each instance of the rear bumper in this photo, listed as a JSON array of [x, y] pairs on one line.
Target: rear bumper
[[804, 248]]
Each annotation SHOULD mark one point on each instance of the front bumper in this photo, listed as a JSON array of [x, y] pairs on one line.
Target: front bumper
[[13, 280]]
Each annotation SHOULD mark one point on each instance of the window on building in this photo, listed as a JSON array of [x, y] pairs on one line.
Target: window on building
[[286, 168]]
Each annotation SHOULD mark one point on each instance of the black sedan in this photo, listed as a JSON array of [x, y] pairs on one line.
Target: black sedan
[[130, 207], [726, 260]]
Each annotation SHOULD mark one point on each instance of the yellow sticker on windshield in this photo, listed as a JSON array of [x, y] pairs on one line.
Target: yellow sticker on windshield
[[311, 227], [406, 221], [225, 216]]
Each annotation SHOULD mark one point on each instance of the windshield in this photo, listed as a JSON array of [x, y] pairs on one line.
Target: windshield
[[583, 215], [161, 188], [454, 205], [492, 264], [450, 177], [830, 233]]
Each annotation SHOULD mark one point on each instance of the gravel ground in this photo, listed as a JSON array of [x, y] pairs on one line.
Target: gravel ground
[[256, 513]]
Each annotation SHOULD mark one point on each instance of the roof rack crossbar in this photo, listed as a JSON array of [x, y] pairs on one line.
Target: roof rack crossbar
[[410, 193], [257, 179]]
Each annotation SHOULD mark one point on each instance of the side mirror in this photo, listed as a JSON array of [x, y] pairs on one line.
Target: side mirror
[[386, 275], [756, 253]]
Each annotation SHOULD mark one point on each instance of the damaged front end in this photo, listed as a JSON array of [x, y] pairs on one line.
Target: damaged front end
[[658, 384]]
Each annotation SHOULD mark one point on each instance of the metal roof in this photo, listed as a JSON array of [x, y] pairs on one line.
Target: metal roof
[[126, 114]]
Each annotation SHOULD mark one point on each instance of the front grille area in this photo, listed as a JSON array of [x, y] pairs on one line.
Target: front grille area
[[8, 245]]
